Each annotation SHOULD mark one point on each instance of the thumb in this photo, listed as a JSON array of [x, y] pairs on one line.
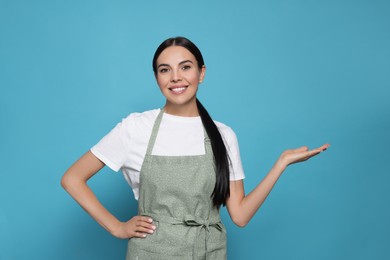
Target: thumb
[[301, 149]]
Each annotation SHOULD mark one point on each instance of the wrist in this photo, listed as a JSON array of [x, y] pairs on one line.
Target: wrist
[[280, 165], [116, 229]]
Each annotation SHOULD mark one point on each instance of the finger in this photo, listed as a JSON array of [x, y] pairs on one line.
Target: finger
[[301, 149], [145, 222], [145, 219], [146, 225], [144, 230], [311, 153], [139, 234], [322, 148]]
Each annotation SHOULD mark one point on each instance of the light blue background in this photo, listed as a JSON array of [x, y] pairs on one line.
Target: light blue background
[[281, 73]]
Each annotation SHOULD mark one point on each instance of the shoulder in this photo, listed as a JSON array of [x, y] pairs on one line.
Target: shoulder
[[135, 122], [137, 119], [226, 131], [143, 116]]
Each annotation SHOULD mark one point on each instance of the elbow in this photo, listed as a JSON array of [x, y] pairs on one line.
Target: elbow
[[71, 182], [240, 222], [68, 181], [65, 182]]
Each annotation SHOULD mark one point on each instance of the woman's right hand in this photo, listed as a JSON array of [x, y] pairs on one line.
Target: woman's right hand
[[138, 226]]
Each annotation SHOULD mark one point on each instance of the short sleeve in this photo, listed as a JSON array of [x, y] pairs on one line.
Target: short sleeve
[[112, 149], [231, 142]]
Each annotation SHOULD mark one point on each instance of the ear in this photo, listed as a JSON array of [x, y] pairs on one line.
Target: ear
[[202, 74]]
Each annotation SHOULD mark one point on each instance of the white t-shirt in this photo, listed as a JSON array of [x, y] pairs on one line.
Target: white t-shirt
[[124, 147]]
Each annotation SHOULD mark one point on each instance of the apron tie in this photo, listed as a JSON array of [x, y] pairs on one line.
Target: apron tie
[[192, 221], [201, 224]]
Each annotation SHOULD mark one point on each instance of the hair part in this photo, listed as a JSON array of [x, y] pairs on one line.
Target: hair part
[[221, 159], [182, 42]]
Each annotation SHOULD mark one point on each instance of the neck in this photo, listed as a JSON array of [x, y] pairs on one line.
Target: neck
[[187, 110]]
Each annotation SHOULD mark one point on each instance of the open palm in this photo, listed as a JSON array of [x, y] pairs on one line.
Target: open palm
[[300, 154]]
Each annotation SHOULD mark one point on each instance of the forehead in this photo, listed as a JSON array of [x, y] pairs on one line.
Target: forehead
[[174, 55]]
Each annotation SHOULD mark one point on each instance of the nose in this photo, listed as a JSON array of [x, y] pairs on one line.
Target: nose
[[175, 76]]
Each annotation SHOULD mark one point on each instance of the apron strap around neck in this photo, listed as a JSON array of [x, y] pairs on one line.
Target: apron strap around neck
[[153, 136], [207, 143]]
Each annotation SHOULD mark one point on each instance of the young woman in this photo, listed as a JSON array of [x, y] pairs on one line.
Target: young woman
[[181, 165]]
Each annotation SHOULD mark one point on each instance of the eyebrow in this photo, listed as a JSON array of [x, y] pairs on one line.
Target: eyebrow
[[180, 63]]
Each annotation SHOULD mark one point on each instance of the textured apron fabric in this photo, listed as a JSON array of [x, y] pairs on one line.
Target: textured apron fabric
[[175, 192]]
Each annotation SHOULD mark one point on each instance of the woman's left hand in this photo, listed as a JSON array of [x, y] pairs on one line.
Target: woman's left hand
[[300, 154]]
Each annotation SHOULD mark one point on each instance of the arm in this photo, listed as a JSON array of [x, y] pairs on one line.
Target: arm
[[242, 208], [74, 182]]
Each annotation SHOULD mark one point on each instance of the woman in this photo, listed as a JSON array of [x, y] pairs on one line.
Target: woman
[[181, 165]]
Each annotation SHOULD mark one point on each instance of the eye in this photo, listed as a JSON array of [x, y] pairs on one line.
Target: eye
[[186, 67], [163, 70]]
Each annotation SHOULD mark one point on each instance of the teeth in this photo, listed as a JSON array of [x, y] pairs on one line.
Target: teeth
[[178, 89]]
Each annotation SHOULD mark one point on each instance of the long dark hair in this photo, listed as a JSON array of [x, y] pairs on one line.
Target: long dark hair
[[221, 159]]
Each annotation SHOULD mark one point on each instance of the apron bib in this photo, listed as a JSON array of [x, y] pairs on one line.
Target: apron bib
[[175, 191]]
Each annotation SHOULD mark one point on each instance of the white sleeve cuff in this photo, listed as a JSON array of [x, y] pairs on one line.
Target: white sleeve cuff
[[113, 166]]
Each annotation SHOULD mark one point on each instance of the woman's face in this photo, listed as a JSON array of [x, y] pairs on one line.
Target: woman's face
[[178, 77]]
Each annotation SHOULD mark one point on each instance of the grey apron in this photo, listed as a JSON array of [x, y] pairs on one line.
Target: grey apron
[[175, 192]]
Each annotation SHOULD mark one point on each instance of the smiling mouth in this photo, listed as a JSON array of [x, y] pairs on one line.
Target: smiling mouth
[[178, 90]]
